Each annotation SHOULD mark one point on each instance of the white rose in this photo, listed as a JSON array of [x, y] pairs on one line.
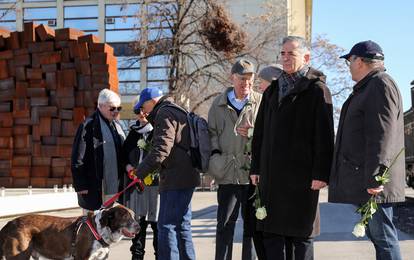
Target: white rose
[[142, 144], [250, 132], [261, 213], [359, 230]]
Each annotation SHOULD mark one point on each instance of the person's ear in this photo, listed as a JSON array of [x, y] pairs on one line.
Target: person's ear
[[306, 57]]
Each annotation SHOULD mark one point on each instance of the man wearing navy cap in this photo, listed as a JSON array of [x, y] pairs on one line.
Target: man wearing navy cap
[[370, 136], [178, 179]]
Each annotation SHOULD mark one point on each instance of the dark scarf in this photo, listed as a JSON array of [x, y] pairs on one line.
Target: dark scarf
[[287, 81]]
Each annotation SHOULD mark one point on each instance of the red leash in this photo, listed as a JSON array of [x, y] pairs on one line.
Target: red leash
[[135, 180]]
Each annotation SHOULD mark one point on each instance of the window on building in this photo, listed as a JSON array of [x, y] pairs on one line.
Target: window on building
[[129, 75], [38, 1], [121, 10], [122, 23], [8, 19], [161, 19], [157, 71], [84, 18], [122, 36], [122, 26], [43, 15]]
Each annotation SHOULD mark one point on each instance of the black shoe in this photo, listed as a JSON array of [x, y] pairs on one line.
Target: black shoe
[[137, 257]]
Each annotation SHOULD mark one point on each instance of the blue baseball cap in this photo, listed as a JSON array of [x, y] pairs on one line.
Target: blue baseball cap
[[366, 49], [147, 94]]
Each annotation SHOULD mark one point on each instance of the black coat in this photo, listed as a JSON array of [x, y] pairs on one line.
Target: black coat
[[293, 145], [131, 154], [87, 162], [370, 134]]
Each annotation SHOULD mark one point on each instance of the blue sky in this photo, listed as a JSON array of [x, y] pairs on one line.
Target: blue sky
[[389, 23]]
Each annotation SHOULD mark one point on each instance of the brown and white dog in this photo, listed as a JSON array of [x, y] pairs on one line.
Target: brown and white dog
[[49, 237]]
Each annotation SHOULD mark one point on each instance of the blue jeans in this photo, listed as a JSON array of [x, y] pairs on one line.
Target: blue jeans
[[383, 234], [174, 225]]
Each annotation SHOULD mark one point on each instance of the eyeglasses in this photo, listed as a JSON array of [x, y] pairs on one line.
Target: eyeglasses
[[348, 61], [112, 109]]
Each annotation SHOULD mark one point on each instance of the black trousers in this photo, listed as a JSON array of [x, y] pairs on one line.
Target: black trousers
[[249, 225], [138, 242], [275, 247], [230, 198]]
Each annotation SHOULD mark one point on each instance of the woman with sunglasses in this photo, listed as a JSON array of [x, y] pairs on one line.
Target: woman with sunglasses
[[144, 204]]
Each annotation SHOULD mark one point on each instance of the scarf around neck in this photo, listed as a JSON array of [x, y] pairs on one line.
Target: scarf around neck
[[110, 160]]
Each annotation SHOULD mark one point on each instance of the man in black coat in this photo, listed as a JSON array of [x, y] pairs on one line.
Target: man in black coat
[[369, 138], [96, 153], [292, 151]]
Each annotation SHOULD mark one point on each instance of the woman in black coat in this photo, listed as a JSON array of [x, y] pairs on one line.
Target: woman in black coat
[[144, 204]]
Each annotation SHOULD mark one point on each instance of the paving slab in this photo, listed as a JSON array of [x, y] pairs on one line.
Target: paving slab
[[335, 242]]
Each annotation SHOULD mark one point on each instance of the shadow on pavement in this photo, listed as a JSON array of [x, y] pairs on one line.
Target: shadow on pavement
[[338, 221], [205, 213]]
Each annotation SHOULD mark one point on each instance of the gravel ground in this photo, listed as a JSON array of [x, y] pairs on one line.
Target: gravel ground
[[404, 216]]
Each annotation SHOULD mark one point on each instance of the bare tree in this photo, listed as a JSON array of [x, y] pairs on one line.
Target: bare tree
[[325, 57], [4, 12], [202, 41]]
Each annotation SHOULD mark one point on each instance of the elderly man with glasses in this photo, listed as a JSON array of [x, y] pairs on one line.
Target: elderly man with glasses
[[96, 153], [369, 138]]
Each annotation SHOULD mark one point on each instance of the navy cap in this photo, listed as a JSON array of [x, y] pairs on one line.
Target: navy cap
[[147, 94], [366, 49]]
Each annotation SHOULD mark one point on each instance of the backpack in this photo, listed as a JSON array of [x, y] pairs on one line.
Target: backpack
[[200, 144]]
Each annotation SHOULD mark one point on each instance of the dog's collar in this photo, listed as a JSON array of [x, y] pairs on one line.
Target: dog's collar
[[96, 234]]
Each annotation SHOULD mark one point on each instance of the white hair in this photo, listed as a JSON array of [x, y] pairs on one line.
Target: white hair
[[108, 96], [373, 63]]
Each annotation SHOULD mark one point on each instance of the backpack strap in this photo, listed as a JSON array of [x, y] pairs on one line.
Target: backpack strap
[[186, 113], [175, 106]]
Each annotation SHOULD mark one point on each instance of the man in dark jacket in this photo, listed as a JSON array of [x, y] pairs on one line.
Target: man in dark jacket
[[370, 136], [96, 161], [292, 152], [170, 144]]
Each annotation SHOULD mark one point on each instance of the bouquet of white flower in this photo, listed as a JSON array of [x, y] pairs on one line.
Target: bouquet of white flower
[[142, 144], [260, 210], [368, 209]]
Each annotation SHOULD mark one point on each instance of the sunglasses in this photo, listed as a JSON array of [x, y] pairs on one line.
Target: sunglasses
[[112, 109]]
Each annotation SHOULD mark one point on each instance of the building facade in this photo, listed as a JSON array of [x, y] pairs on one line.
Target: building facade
[[409, 130], [117, 23]]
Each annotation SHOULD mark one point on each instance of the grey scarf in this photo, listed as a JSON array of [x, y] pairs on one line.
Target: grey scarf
[[110, 161]]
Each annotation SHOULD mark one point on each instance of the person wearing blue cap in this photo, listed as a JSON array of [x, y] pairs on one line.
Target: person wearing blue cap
[[177, 178], [150, 97], [369, 138]]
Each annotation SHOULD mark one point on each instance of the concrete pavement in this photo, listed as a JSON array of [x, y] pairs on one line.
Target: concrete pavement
[[335, 241]]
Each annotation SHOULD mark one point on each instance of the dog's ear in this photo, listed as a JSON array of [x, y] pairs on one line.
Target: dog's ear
[[106, 217]]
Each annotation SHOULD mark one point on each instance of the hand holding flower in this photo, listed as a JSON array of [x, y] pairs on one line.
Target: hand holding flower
[[244, 130], [368, 209], [375, 191]]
